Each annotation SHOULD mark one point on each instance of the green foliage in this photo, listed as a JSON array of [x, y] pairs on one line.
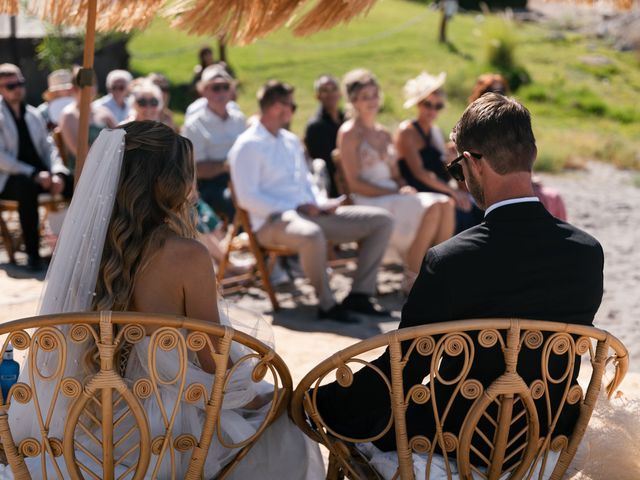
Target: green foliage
[[61, 50], [501, 45]]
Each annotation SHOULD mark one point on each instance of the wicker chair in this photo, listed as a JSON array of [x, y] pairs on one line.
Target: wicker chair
[[103, 396], [503, 403], [45, 200]]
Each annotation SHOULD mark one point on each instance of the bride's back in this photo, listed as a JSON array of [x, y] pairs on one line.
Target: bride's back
[[151, 261]]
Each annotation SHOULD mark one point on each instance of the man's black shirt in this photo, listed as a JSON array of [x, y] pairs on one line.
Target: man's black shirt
[[320, 139], [27, 152]]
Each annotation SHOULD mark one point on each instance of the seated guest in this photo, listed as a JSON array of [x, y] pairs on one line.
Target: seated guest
[[520, 262], [369, 161], [322, 130], [147, 102], [272, 182], [489, 83], [212, 130], [422, 150], [99, 118], [116, 100], [58, 95], [29, 162], [166, 115]]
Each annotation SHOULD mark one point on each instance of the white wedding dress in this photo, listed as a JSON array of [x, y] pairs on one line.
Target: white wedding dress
[[282, 451]]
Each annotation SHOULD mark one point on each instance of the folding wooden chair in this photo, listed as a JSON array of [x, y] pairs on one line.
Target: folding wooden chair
[[45, 200], [242, 223]]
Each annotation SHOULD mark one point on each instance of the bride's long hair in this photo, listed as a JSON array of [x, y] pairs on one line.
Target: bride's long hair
[[152, 200]]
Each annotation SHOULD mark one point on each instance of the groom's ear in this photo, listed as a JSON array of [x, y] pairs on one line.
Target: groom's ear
[[476, 164]]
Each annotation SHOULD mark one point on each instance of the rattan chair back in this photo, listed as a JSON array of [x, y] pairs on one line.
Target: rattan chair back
[[505, 402], [99, 404]]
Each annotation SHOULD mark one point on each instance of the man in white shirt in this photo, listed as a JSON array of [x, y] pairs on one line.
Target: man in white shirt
[[213, 130], [116, 100], [272, 182]]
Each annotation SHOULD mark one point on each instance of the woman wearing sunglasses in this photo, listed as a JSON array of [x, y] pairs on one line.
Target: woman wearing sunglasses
[[147, 101], [369, 162], [422, 148]]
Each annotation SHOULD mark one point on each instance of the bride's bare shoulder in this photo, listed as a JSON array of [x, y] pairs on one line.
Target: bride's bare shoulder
[[180, 257]]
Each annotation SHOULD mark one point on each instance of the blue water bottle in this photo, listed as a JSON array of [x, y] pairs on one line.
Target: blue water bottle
[[9, 371]]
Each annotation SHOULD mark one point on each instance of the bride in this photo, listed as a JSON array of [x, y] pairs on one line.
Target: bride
[[131, 232]]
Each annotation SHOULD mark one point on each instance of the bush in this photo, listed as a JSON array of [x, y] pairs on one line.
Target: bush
[[501, 46]]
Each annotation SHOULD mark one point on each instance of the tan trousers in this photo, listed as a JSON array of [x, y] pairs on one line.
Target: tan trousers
[[369, 226]]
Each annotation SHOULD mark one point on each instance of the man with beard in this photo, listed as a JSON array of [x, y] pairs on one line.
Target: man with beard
[[520, 262]]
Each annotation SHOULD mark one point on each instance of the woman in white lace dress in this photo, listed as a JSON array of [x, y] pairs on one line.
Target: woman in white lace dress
[[369, 163], [130, 226]]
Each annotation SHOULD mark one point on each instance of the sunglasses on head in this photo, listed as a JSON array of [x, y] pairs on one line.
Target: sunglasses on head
[[432, 106], [292, 105], [455, 168], [13, 85], [220, 87], [151, 102]]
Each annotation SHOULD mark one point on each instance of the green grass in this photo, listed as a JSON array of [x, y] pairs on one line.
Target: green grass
[[579, 111]]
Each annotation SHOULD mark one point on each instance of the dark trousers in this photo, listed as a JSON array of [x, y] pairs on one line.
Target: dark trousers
[[25, 191], [215, 192]]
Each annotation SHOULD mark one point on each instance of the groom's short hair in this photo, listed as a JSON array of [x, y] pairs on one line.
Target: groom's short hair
[[499, 128]]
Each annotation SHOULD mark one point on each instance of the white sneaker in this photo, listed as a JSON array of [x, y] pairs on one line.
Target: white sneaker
[[278, 275]]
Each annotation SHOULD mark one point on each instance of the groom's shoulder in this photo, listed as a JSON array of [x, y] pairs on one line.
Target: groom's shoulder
[[468, 242]]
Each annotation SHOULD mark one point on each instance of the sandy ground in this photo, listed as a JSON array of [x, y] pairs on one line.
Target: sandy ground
[[600, 199]]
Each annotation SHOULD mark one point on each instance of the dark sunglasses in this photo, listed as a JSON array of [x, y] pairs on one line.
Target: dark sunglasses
[[118, 88], [220, 87], [13, 85], [429, 105], [455, 168], [292, 105], [151, 102]]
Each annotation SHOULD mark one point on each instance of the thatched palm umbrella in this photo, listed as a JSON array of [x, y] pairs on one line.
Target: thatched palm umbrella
[[240, 21]]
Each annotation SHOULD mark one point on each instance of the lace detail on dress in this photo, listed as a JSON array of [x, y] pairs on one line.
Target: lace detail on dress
[[375, 165]]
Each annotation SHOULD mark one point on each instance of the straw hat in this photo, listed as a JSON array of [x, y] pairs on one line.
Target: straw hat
[[419, 88], [56, 81]]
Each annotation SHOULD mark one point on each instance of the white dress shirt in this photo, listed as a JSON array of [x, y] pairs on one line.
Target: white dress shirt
[[269, 173], [118, 112], [510, 201], [212, 136]]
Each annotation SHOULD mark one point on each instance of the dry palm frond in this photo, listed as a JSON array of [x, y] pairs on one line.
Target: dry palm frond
[[9, 7], [241, 21], [328, 13]]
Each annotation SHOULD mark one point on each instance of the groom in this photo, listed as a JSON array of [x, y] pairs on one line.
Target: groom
[[520, 262]]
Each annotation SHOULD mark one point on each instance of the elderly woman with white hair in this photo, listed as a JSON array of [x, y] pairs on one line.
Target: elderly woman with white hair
[[422, 149], [369, 162], [115, 100], [147, 102]]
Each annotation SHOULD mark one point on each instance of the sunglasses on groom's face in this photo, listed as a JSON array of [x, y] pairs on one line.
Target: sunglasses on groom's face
[[455, 167]]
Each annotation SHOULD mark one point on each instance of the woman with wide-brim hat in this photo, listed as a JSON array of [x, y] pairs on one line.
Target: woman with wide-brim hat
[[59, 94], [422, 150]]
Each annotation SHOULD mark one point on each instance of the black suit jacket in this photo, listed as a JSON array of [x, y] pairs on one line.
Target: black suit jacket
[[520, 262]]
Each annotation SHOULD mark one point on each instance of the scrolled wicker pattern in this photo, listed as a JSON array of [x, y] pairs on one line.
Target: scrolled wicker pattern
[[507, 404], [107, 411]]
